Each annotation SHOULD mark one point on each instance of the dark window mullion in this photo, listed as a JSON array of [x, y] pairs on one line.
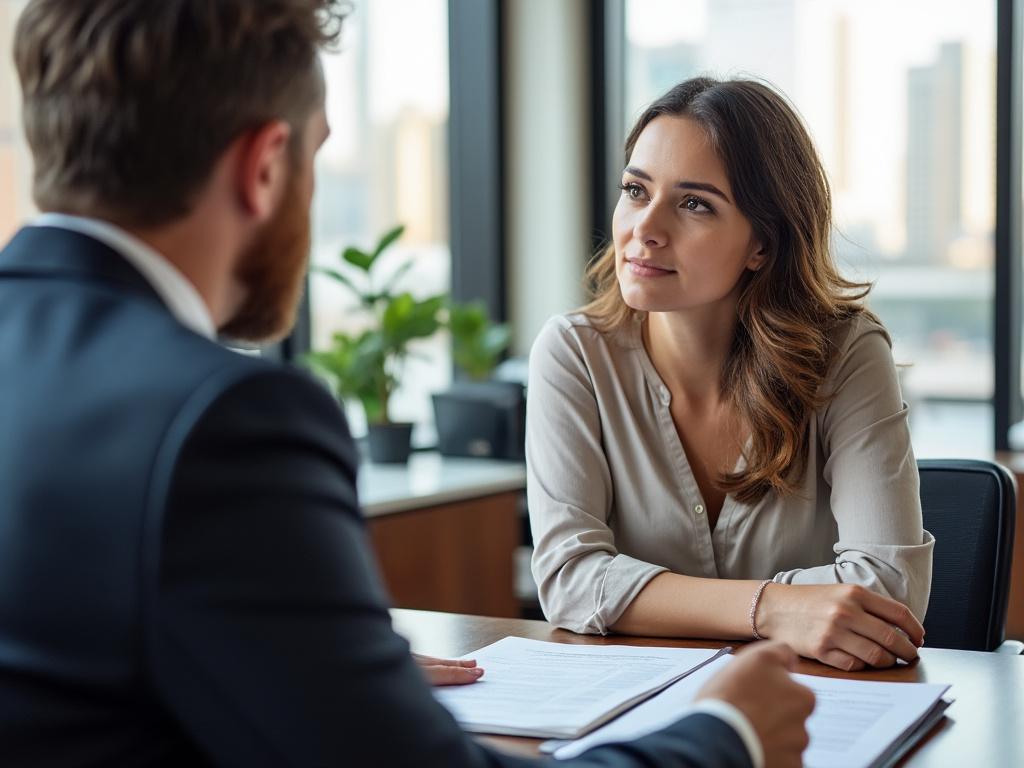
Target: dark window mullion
[[475, 153], [1007, 312], [608, 95]]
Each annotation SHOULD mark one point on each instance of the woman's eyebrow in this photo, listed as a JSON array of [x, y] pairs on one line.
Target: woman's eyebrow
[[634, 171], [701, 186]]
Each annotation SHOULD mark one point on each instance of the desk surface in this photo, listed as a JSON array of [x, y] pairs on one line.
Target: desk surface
[[984, 727], [430, 479]]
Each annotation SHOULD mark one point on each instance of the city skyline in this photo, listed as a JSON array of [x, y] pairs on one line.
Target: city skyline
[[892, 113], [905, 129], [821, 69]]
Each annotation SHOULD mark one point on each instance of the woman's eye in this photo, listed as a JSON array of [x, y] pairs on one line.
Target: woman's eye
[[696, 204], [633, 191]]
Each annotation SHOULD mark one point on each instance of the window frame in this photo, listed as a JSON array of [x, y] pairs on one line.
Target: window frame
[[476, 178], [1008, 270], [477, 223], [1006, 330]]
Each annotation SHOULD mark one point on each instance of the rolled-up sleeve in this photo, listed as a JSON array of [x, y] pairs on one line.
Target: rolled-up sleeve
[[872, 473], [584, 583]]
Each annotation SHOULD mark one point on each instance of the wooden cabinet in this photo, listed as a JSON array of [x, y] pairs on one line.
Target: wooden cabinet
[[1015, 615], [456, 557], [445, 531]]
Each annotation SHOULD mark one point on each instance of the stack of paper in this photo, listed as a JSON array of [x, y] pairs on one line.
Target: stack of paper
[[855, 724], [555, 690]]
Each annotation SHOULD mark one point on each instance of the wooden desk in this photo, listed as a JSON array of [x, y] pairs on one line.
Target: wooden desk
[[983, 728]]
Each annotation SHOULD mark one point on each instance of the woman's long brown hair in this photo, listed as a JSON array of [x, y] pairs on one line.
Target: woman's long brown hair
[[781, 352]]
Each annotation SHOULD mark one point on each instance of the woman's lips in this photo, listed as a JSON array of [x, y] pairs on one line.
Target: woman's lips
[[643, 269]]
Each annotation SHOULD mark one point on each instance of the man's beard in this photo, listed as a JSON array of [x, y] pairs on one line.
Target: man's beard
[[272, 273]]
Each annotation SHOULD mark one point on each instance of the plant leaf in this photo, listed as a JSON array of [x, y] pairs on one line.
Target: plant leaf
[[465, 320], [386, 240], [477, 344], [338, 276], [358, 258], [496, 339], [405, 319]]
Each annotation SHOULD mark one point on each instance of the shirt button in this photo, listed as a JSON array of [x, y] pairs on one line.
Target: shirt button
[[699, 509], [663, 391]]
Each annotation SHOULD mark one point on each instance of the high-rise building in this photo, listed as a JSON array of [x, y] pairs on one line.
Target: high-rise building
[[840, 175], [935, 155], [409, 159]]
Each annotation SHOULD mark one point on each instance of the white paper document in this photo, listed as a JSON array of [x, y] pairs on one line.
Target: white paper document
[[557, 690], [862, 723], [855, 724]]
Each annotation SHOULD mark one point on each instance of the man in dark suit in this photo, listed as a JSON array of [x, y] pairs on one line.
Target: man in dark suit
[[184, 576]]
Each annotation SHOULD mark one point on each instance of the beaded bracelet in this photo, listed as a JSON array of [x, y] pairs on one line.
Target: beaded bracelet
[[753, 608]]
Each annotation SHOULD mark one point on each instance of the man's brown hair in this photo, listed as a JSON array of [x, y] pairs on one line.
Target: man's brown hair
[[129, 103]]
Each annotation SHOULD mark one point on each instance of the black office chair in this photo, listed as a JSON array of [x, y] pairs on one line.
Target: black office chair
[[970, 508]]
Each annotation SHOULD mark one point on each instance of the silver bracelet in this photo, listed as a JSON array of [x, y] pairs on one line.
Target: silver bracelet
[[753, 608]]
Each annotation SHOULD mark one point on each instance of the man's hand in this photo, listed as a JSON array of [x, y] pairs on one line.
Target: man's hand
[[843, 625], [449, 671], [759, 685]]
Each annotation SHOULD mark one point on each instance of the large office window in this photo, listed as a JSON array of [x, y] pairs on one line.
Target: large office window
[[15, 163], [385, 163], [900, 100]]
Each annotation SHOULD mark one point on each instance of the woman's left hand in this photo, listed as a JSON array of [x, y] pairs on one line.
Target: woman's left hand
[[449, 671], [843, 625]]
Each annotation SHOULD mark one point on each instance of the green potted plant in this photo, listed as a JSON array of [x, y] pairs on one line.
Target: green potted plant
[[477, 415], [477, 343], [367, 365]]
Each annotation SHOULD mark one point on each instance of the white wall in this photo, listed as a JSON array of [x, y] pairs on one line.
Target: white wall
[[547, 173]]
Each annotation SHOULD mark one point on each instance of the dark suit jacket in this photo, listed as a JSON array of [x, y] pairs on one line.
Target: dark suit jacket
[[184, 576]]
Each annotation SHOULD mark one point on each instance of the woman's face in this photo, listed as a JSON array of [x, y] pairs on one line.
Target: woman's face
[[680, 241]]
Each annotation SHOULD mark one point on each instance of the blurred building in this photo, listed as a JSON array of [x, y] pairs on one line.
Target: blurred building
[[409, 158], [15, 163], [935, 155]]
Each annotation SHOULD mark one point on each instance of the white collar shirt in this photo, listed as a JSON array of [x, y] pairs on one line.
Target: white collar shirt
[[180, 296]]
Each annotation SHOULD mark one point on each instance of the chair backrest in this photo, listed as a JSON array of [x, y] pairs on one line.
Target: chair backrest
[[970, 508]]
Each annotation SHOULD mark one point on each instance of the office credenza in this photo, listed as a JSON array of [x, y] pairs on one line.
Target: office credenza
[[445, 531], [1015, 615]]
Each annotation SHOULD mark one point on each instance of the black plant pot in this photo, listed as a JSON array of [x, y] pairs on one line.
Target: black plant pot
[[389, 443], [482, 419]]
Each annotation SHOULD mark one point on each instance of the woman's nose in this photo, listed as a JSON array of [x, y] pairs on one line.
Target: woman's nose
[[649, 229]]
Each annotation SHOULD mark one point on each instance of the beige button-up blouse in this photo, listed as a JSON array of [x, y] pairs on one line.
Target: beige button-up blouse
[[613, 501]]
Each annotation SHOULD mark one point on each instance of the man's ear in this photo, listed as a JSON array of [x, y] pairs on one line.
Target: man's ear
[[263, 168]]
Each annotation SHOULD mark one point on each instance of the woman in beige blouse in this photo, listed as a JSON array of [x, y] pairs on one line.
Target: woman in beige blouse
[[717, 445]]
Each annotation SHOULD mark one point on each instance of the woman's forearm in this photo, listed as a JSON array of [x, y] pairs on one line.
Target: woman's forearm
[[672, 605], [844, 625]]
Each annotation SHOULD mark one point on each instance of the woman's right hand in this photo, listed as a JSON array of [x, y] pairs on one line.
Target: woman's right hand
[[448, 671], [843, 625]]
